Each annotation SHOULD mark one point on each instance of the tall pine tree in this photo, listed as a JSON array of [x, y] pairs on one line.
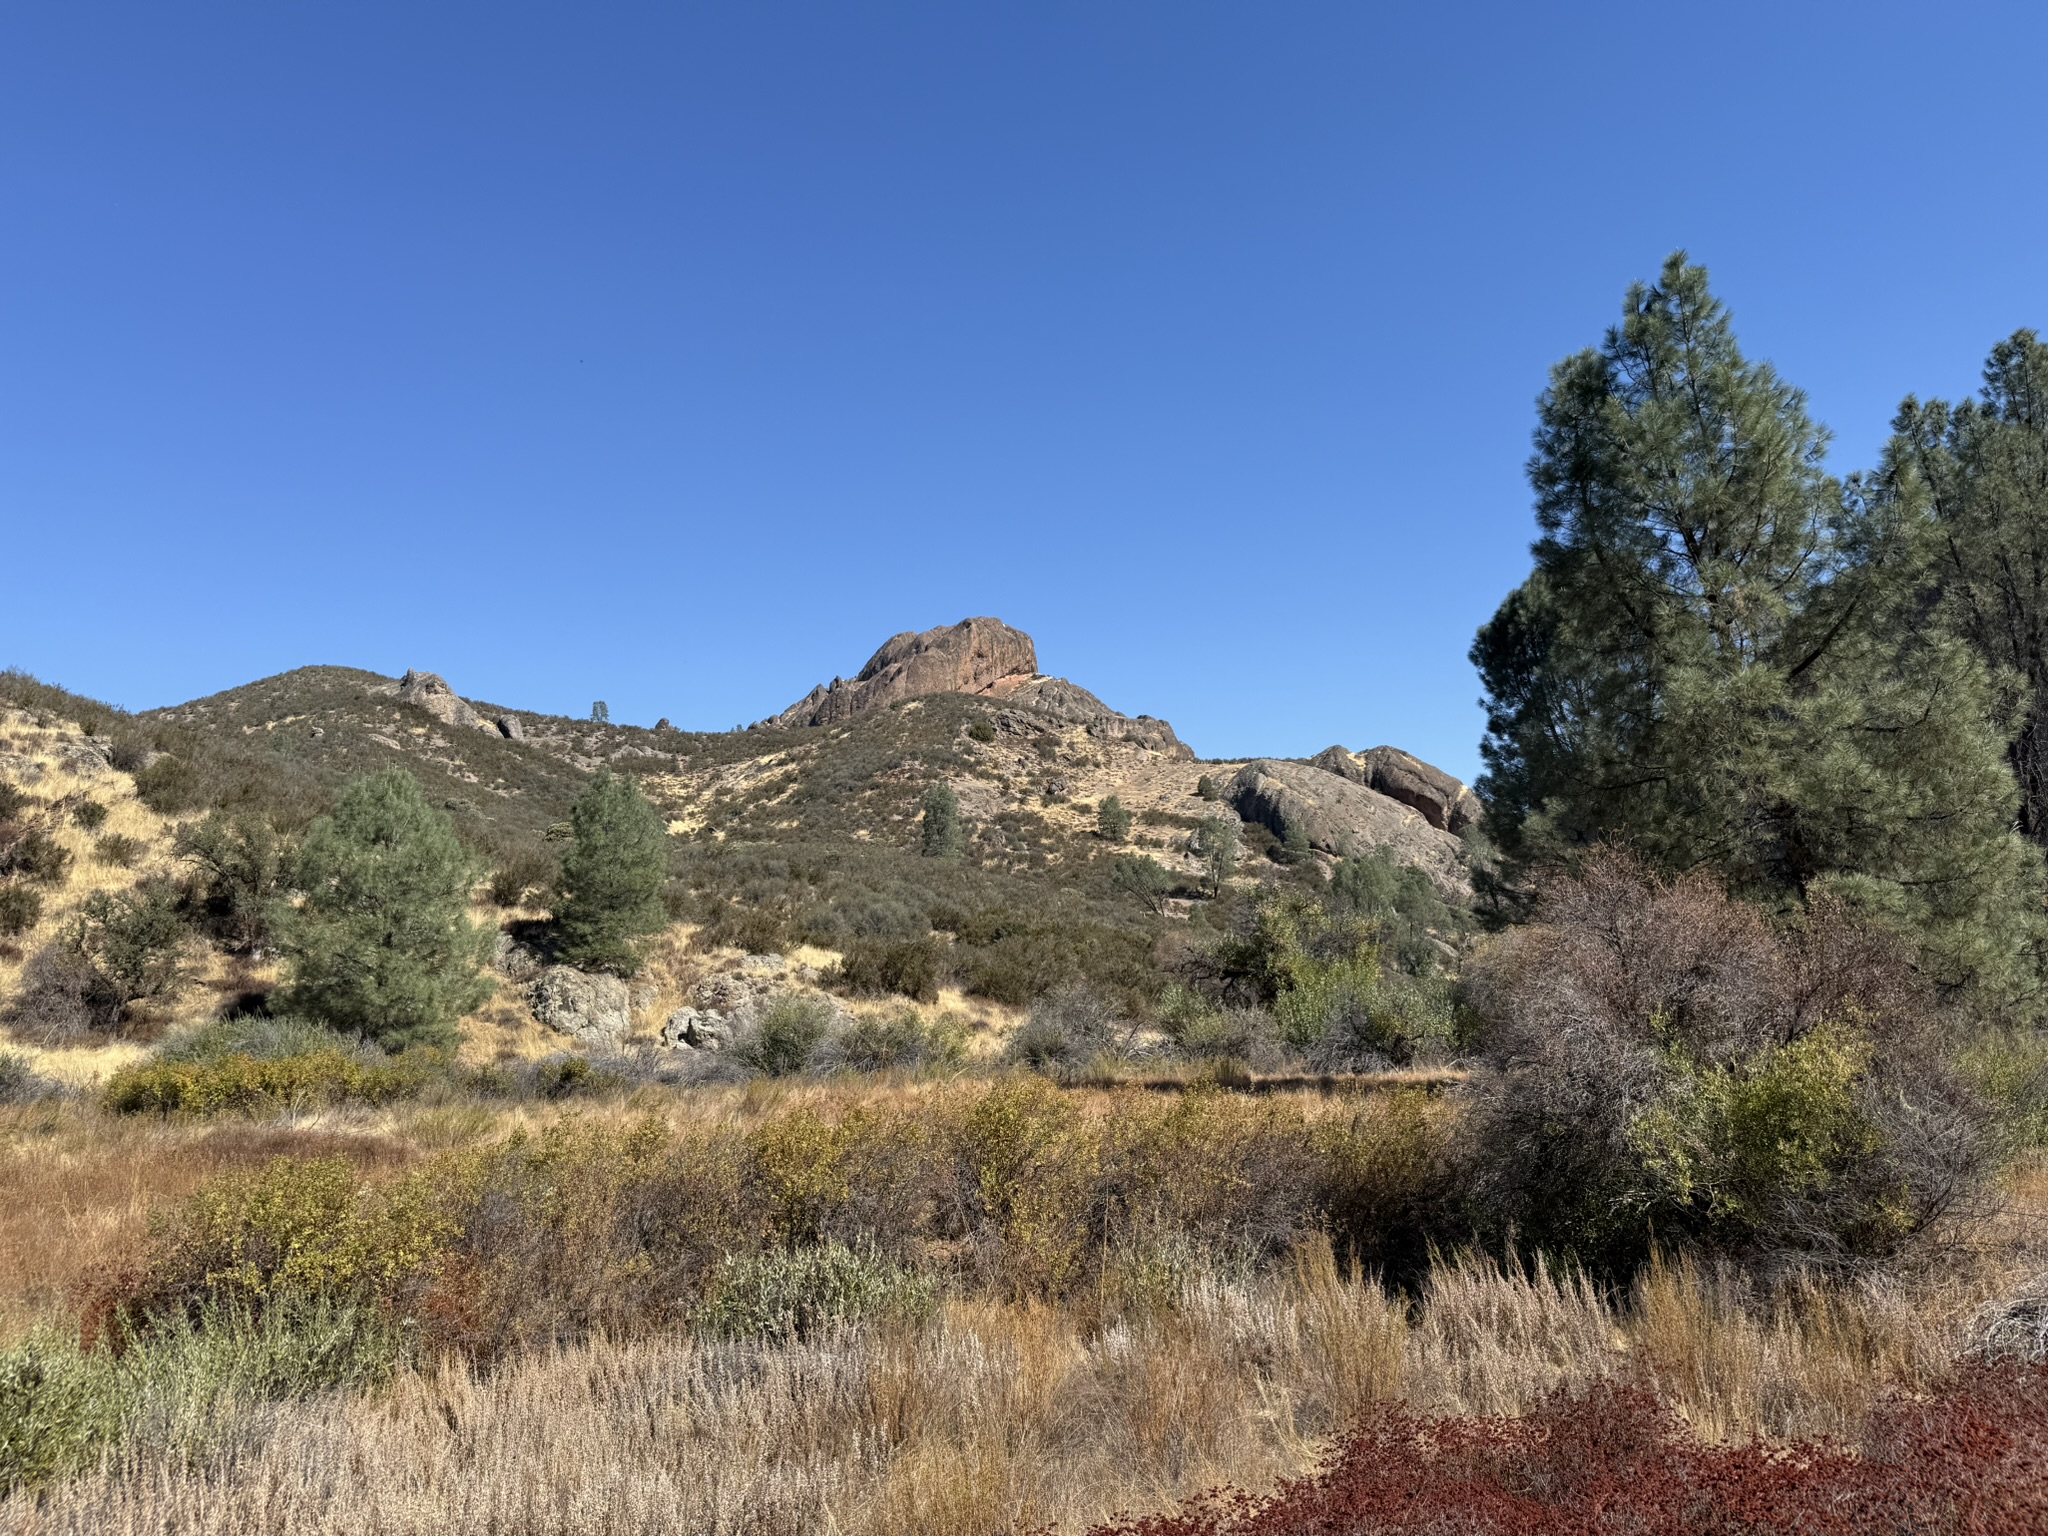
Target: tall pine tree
[[1722, 661], [381, 942], [610, 893], [1981, 470]]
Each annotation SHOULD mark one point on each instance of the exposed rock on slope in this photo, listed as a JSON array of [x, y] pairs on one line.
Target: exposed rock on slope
[[430, 691], [974, 656], [985, 658], [1342, 817], [1444, 802]]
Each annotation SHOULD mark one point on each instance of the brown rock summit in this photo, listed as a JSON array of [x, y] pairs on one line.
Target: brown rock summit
[[978, 656], [1446, 803]]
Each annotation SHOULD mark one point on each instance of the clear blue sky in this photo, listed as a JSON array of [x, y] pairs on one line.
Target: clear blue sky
[[677, 355]]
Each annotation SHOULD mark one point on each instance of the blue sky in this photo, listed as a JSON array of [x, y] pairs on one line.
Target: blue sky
[[678, 355]]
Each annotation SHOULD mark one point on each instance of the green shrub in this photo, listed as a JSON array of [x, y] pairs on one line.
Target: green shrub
[[245, 1084], [786, 1035], [12, 801], [89, 814], [119, 849], [982, 731], [21, 908], [57, 1408], [241, 864], [132, 949], [900, 1038], [1205, 788], [31, 853], [909, 969], [1736, 1143], [802, 1293], [941, 835], [266, 1037]]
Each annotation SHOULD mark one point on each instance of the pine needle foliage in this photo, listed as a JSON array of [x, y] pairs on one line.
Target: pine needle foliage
[[610, 895], [1723, 660], [381, 943]]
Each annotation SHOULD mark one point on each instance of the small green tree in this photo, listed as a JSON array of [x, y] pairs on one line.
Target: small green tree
[[1216, 843], [381, 943], [240, 864], [942, 835], [610, 890], [1205, 788], [1112, 820], [1142, 877], [133, 945], [601, 712]]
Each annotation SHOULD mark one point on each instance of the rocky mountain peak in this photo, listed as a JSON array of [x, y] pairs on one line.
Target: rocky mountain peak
[[976, 656]]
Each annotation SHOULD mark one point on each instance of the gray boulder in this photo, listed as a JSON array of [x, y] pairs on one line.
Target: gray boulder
[[430, 691], [697, 1029], [1343, 818], [596, 1010]]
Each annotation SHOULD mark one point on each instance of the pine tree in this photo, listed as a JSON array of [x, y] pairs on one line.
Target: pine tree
[[382, 943], [941, 835], [1981, 469], [1719, 658], [1113, 820], [610, 889]]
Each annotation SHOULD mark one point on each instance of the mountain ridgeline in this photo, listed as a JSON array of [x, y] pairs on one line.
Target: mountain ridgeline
[[806, 827]]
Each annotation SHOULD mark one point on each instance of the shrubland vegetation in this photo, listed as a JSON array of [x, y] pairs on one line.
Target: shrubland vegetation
[[1715, 1128]]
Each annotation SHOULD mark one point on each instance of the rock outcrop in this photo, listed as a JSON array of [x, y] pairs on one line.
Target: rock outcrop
[[975, 656], [430, 691], [1342, 817], [595, 1010], [1071, 704], [1446, 803], [984, 658]]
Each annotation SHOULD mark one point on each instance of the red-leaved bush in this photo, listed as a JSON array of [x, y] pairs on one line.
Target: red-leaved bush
[[1972, 1462]]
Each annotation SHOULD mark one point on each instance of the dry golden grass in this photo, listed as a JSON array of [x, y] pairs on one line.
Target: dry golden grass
[[82, 1188], [997, 1417]]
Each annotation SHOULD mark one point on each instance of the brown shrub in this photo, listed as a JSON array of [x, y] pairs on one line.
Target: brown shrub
[[1662, 1058]]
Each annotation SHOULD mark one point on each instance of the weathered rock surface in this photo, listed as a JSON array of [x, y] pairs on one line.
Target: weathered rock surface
[[596, 1010], [697, 1029], [973, 656], [1341, 817], [1071, 704], [985, 658], [430, 691], [1446, 803]]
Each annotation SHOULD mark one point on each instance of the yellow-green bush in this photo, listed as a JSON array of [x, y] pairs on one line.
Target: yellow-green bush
[[247, 1084], [598, 1225]]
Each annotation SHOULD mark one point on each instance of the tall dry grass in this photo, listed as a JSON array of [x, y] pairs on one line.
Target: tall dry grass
[[1000, 1416]]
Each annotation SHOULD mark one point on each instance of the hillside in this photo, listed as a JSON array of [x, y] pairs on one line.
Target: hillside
[[805, 829]]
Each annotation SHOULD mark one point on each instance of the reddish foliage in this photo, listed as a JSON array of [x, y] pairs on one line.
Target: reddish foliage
[[1973, 1462]]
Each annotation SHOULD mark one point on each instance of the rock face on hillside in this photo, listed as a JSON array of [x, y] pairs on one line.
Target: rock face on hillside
[[1444, 802], [985, 658], [974, 656], [430, 691], [1342, 817]]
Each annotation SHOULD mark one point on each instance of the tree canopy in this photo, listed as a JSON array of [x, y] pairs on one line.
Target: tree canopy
[[381, 942], [1723, 659]]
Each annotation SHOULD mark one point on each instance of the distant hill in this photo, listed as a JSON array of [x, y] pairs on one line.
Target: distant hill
[[806, 825]]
